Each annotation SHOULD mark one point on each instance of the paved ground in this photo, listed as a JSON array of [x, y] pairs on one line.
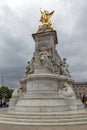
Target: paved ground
[[19, 127]]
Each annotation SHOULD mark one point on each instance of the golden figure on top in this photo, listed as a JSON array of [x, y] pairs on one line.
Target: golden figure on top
[[45, 16]]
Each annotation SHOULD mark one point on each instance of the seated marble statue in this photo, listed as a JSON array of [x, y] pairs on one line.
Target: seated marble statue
[[45, 58]]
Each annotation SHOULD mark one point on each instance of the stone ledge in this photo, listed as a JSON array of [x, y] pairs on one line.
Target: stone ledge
[[47, 76]]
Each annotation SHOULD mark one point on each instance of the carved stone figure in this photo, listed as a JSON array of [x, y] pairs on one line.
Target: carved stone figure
[[37, 63], [67, 91], [56, 67], [27, 68], [17, 93], [64, 68], [43, 46], [23, 86], [30, 67], [15, 97], [46, 60]]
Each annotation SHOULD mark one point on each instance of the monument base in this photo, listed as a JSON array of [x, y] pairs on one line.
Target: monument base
[[47, 93], [72, 120]]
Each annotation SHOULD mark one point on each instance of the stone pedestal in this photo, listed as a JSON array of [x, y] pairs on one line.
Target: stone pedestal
[[47, 80]]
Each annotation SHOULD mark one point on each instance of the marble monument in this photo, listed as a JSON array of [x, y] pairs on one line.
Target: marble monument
[[47, 85]]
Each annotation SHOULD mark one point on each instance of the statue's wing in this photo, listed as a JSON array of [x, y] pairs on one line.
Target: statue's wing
[[50, 14]]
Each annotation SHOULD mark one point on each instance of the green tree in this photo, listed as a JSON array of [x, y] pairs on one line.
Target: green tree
[[5, 92]]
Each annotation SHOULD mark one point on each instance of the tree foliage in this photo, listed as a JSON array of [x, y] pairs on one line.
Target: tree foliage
[[5, 92]]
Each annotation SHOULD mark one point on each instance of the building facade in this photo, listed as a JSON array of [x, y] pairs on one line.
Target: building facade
[[80, 89]]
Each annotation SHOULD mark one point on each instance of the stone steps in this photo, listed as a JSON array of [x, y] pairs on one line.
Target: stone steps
[[64, 118], [42, 120], [48, 114], [43, 116], [60, 114]]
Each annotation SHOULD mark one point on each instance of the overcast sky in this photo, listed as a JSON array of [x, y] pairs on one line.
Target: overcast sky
[[19, 19]]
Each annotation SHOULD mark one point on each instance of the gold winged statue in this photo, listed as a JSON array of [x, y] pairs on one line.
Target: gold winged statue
[[45, 16]]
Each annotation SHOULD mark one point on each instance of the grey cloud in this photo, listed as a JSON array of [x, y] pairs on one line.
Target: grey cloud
[[74, 46], [16, 48], [13, 56], [17, 45]]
